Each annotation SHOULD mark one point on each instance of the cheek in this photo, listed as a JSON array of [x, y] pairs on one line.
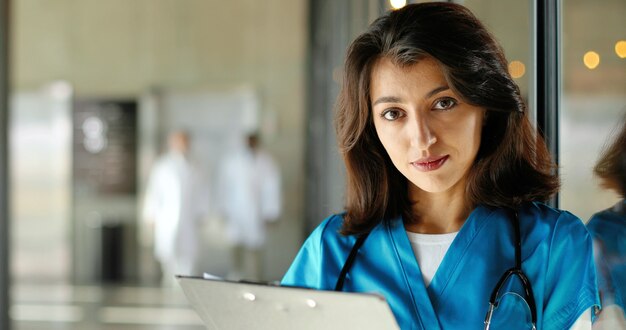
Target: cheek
[[388, 139], [390, 142], [383, 138], [471, 138]]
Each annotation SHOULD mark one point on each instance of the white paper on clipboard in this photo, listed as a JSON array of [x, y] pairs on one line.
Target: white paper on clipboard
[[227, 305]]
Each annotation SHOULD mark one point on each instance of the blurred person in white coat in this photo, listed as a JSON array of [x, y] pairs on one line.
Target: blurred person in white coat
[[248, 198], [175, 203]]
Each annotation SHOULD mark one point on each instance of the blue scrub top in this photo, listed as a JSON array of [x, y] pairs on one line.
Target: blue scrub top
[[556, 254], [608, 229]]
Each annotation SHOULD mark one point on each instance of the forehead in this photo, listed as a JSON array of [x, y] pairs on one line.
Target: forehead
[[389, 77]]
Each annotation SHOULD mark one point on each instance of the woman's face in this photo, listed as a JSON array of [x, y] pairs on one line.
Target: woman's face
[[430, 134]]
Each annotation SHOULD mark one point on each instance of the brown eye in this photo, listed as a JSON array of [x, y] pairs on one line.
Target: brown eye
[[391, 114], [445, 104]]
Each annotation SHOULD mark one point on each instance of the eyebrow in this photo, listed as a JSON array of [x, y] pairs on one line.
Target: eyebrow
[[395, 99]]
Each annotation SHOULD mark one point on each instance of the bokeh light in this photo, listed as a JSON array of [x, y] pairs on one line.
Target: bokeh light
[[517, 69], [591, 60], [620, 48], [397, 4]]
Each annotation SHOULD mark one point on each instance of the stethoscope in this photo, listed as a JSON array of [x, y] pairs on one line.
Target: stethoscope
[[493, 302]]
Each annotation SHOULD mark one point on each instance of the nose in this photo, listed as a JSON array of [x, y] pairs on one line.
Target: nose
[[422, 135]]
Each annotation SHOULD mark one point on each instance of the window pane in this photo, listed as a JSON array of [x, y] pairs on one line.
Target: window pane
[[594, 98]]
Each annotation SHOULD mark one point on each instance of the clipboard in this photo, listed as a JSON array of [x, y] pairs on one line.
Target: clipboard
[[229, 305]]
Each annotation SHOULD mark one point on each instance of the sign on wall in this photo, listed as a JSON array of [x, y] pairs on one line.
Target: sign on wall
[[105, 147]]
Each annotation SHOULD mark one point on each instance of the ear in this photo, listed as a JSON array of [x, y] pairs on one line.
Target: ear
[[485, 114]]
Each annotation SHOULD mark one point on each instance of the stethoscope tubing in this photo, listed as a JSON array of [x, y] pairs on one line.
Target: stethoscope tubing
[[493, 303]]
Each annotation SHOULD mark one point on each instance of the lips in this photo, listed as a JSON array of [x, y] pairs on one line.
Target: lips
[[428, 164]]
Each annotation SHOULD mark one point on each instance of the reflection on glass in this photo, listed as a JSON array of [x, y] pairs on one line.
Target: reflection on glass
[[593, 98], [608, 228]]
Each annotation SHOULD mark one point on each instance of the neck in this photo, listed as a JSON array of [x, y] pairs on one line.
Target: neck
[[437, 213]]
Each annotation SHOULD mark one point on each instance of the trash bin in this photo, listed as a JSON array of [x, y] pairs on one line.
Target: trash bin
[[112, 252]]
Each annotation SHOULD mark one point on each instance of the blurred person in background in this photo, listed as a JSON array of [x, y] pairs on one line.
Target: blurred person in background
[[248, 197], [608, 228], [175, 203]]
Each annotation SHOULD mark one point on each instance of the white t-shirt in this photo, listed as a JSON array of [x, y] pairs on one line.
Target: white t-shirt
[[429, 249]]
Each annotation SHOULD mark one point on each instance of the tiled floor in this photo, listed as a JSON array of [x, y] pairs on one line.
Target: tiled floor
[[65, 307]]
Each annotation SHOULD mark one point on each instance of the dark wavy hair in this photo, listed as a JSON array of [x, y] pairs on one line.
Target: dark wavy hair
[[512, 166], [611, 167]]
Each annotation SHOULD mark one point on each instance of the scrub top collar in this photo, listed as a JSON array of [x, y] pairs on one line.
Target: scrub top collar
[[436, 291]]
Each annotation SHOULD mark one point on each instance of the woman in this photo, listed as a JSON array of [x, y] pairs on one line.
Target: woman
[[608, 229], [443, 169]]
